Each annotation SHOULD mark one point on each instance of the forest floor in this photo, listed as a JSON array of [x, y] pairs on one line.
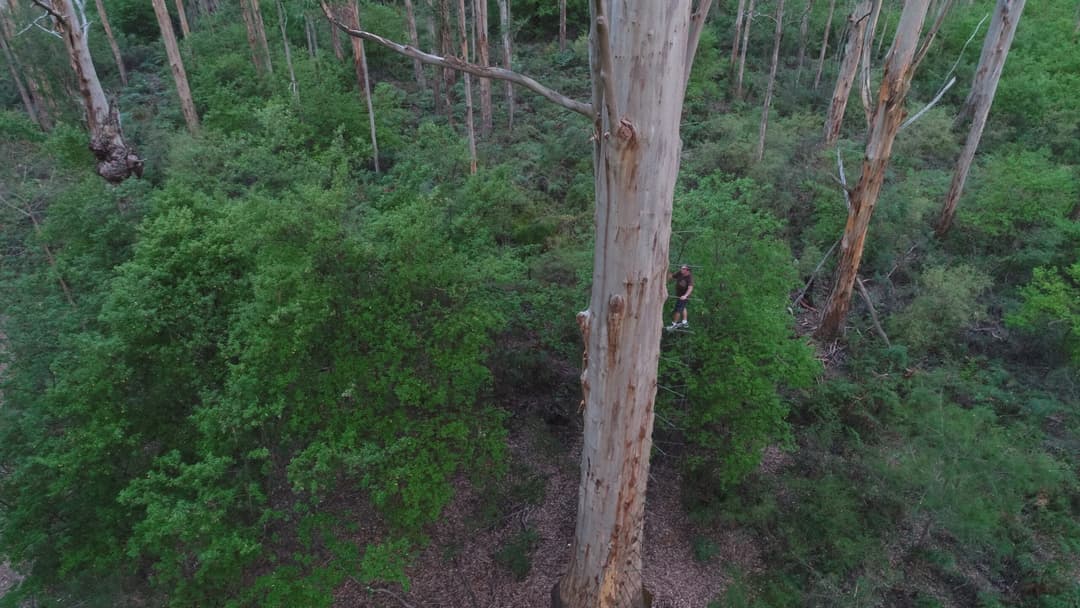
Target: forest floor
[[8, 578], [460, 567]]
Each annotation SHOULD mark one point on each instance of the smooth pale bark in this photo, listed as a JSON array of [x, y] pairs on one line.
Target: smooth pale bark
[[360, 62], [185, 29], [176, 66], [104, 17], [469, 128], [437, 81], [739, 15], [866, 58], [772, 79], [414, 39], [995, 51], [640, 55], [639, 65], [507, 50], [282, 21], [116, 161], [848, 68], [562, 25], [748, 19], [887, 116], [824, 44], [804, 26], [312, 43], [483, 57], [446, 47]]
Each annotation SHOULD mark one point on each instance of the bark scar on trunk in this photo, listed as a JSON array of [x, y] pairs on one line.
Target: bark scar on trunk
[[616, 311], [584, 320]]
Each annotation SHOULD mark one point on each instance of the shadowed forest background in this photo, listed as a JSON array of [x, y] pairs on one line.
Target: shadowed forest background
[[272, 367]]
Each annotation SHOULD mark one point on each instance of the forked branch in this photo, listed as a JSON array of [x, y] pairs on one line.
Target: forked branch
[[455, 63], [697, 23]]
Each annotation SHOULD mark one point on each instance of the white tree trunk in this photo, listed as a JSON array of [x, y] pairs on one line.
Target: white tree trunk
[[360, 62], [480, 23], [294, 86], [866, 59], [182, 14], [772, 79], [176, 66], [739, 15], [995, 50], [804, 26], [504, 27], [848, 68], [747, 20], [470, 129], [116, 161]]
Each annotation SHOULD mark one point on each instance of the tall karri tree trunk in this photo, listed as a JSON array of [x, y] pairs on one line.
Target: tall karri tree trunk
[[116, 161], [845, 78], [283, 20], [995, 50], [739, 14], [483, 57], [257, 59], [176, 66], [887, 116], [112, 40], [772, 79], [562, 25], [181, 12], [362, 81], [804, 26], [507, 50], [641, 55], [260, 32]]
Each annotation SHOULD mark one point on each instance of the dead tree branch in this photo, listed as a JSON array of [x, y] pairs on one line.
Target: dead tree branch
[[873, 312], [454, 63]]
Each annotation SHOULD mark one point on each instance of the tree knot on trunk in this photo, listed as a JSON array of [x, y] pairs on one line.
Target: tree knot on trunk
[[626, 132]]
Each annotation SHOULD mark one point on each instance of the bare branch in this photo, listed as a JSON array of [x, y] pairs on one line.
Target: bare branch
[[34, 24], [873, 313], [454, 63], [802, 293], [933, 102], [49, 9], [843, 179]]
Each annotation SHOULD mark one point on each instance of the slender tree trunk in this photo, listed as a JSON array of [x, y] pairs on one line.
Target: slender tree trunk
[[504, 27], [176, 65], [866, 59], [181, 12], [772, 79], [360, 61], [562, 25], [414, 39], [468, 87], [804, 25], [740, 14], [248, 16], [16, 77], [260, 31], [887, 116], [446, 44], [116, 161], [483, 57], [282, 21], [335, 43], [112, 40], [309, 32], [747, 20], [437, 81], [995, 50], [824, 45], [35, 100], [848, 67]]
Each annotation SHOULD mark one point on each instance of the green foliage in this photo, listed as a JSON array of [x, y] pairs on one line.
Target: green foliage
[[516, 554], [1051, 305], [947, 301], [742, 348]]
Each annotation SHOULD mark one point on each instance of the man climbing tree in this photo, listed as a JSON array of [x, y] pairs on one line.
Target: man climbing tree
[[684, 286]]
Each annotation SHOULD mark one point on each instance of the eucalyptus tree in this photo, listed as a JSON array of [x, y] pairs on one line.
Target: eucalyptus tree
[[641, 53], [176, 66]]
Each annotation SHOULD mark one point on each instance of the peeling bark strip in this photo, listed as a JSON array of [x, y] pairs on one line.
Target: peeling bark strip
[[845, 78], [176, 66], [115, 160], [886, 119], [995, 50]]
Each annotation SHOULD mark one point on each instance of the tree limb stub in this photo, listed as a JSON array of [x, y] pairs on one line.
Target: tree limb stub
[[454, 63]]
